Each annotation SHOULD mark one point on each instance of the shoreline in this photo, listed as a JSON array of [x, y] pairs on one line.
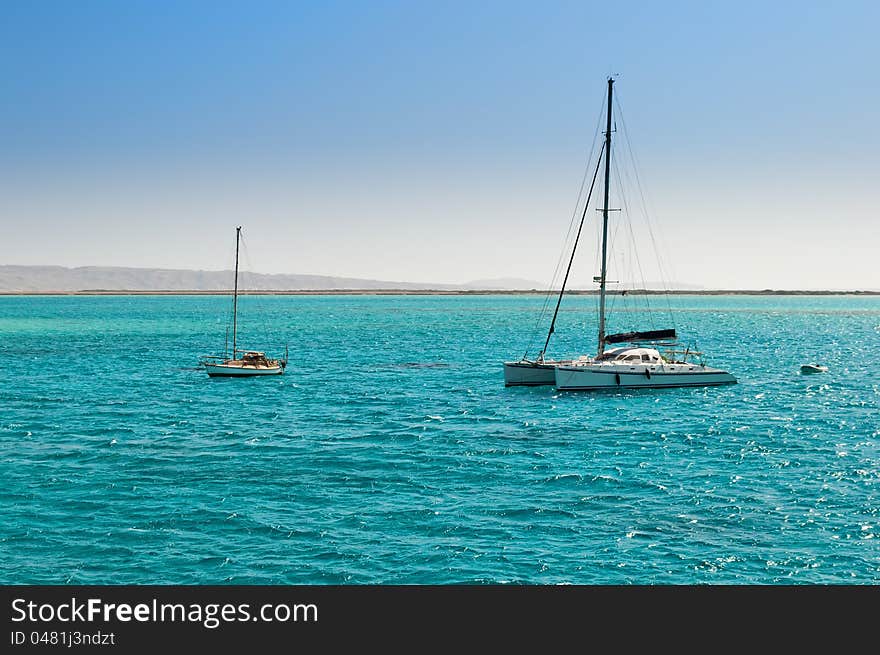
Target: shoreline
[[437, 292]]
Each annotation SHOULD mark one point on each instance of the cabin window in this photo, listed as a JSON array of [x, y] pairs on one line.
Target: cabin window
[[631, 357], [646, 358]]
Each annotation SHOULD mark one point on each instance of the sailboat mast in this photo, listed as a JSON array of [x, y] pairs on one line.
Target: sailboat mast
[[601, 347], [235, 291]]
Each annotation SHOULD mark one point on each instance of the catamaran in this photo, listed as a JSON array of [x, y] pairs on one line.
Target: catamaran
[[638, 364], [242, 363]]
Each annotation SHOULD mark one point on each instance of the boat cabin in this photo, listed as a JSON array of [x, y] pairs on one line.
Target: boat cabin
[[254, 358], [632, 355]]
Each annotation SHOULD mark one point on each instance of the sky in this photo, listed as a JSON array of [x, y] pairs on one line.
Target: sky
[[440, 141]]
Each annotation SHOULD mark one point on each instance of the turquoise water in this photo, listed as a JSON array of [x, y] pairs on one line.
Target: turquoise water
[[390, 451]]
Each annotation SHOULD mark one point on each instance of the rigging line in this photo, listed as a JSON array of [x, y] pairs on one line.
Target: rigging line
[[230, 307], [615, 258], [568, 234], [635, 245], [597, 255], [635, 250], [257, 307], [618, 264], [247, 274], [242, 285], [573, 250], [663, 275], [621, 178]]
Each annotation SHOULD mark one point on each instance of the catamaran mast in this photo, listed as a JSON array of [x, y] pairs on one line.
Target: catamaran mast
[[235, 292], [601, 348]]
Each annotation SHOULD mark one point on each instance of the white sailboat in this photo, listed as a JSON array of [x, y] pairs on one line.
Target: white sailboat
[[632, 366], [242, 363], [640, 364]]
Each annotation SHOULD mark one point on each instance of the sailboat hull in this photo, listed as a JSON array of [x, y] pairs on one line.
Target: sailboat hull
[[589, 377], [226, 370], [530, 374]]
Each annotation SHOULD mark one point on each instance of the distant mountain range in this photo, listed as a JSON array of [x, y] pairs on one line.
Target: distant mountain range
[[60, 279], [506, 283], [38, 279]]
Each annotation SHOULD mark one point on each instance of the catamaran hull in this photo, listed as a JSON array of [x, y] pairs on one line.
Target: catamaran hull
[[529, 374], [576, 378], [218, 370]]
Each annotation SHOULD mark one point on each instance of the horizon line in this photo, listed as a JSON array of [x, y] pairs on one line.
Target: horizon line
[[451, 292]]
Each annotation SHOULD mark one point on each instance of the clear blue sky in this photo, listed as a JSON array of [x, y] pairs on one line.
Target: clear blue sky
[[438, 141]]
